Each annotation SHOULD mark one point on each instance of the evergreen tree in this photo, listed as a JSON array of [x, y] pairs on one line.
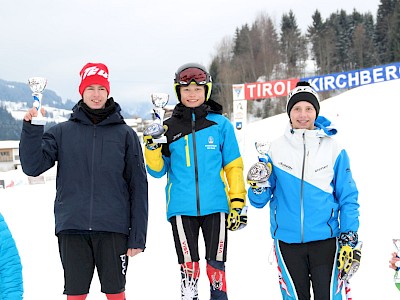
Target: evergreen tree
[[322, 37], [394, 35], [10, 128], [268, 56], [293, 45], [315, 36], [384, 29], [344, 29], [371, 52], [363, 53], [340, 43]]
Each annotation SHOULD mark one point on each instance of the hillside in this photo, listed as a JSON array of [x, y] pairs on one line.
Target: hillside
[[15, 100], [21, 92]]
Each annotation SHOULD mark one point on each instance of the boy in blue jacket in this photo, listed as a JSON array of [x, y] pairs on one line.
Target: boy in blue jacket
[[205, 188]]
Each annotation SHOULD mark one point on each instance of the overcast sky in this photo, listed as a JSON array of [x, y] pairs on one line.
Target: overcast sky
[[142, 42]]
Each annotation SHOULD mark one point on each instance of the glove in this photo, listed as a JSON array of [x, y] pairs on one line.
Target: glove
[[348, 238], [153, 132], [349, 256], [237, 218], [258, 175], [345, 260]]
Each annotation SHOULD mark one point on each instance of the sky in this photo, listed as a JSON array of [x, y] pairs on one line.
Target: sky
[[142, 42], [367, 120]]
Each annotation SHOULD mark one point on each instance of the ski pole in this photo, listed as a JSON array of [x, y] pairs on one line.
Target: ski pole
[[347, 289]]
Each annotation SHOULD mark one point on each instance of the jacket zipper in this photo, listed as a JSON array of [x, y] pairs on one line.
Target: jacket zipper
[[92, 178], [302, 189], [196, 170]]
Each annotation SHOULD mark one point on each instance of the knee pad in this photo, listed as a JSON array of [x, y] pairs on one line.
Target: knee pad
[[191, 269]]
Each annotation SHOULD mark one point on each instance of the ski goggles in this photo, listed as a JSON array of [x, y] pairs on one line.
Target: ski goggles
[[199, 76]]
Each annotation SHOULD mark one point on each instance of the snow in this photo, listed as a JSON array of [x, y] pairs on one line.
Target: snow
[[18, 111], [366, 118]]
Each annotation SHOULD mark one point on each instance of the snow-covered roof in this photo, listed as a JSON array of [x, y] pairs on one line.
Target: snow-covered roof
[[9, 144]]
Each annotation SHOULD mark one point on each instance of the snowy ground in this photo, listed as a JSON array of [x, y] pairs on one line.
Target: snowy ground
[[367, 119]]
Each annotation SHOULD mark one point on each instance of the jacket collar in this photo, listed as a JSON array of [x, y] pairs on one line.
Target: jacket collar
[[187, 113]]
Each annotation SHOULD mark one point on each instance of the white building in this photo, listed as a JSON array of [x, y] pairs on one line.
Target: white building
[[9, 155]]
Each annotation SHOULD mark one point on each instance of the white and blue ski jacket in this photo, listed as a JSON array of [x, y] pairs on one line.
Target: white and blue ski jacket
[[312, 195]]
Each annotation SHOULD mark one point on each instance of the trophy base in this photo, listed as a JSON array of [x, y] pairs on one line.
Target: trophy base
[[38, 121], [156, 130], [161, 140]]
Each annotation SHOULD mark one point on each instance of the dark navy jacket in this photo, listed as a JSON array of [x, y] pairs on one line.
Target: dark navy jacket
[[101, 176]]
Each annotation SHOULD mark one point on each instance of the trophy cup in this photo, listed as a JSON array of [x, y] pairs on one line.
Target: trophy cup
[[262, 148], [156, 130], [37, 85], [396, 278], [260, 172]]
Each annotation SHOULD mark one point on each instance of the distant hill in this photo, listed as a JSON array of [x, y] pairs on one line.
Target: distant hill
[[21, 92], [16, 98]]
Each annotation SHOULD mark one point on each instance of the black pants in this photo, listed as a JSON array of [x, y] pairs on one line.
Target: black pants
[[186, 236], [310, 262], [81, 253], [186, 231]]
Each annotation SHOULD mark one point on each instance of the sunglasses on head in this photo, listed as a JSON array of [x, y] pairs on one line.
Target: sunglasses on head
[[188, 75]]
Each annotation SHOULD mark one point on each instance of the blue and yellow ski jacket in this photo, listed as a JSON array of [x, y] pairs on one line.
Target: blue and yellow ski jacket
[[202, 161], [312, 194]]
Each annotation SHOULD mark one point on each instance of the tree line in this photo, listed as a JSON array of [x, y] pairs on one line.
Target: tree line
[[10, 128], [341, 42]]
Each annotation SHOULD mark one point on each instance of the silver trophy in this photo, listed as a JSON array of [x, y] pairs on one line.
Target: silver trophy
[[37, 85], [260, 172], [262, 148], [156, 130]]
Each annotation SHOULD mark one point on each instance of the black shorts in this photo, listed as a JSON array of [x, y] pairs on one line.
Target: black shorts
[[80, 253], [186, 236]]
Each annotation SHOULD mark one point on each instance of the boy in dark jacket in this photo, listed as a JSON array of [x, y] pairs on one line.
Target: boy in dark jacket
[[101, 205]]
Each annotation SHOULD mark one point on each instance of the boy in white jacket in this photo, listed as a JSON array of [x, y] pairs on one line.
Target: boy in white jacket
[[313, 201]]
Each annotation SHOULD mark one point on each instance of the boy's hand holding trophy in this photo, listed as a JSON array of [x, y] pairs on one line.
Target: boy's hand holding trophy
[[153, 135], [37, 85]]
